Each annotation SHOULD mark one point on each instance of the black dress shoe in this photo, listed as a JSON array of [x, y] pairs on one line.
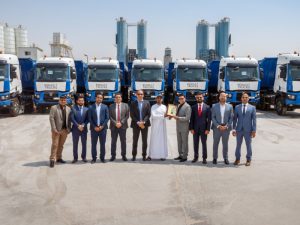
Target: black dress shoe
[[133, 158], [61, 161], [178, 158], [226, 161], [74, 161], [93, 161], [194, 160], [162, 159], [204, 161], [149, 158], [103, 160], [124, 158], [52, 163], [214, 161], [112, 159], [144, 158], [182, 160], [84, 160]]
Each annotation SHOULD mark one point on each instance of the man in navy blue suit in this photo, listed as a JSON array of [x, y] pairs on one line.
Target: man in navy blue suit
[[79, 118], [244, 127], [200, 126], [98, 118]]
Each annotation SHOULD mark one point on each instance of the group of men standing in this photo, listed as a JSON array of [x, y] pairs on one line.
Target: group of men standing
[[196, 120]]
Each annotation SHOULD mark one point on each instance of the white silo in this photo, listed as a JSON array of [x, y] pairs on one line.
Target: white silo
[[9, 40], [21, 37], [1, 38]]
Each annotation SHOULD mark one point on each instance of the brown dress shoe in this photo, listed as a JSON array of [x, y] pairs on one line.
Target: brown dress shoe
[[236, 162], [248, 163]]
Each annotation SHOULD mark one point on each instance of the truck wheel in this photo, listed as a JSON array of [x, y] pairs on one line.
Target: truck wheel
[[14, 109], [280, 107]]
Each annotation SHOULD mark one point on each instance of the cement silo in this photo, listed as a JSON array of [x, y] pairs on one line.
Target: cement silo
[[222, 31], [122, 40], [1, 38], [9, 40], [21, 35], [142, 39], [202, 39]]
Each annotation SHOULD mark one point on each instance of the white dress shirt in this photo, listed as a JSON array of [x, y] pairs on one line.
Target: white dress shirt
[[98, 108], [222, 109]]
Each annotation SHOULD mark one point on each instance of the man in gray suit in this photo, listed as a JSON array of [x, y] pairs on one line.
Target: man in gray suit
[[60, 128], [182, 117], [244, 126], [222, 115], [118, 114]]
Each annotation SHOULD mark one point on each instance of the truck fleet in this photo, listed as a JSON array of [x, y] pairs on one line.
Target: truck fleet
[[27, 84]]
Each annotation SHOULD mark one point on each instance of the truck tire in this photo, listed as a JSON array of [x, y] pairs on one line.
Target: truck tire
[[14, 109], [280, 107]]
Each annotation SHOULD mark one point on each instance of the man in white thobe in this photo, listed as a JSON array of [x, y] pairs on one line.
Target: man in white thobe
[[158, 148]]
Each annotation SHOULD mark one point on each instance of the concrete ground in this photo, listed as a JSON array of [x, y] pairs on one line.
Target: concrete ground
[[142, 193]]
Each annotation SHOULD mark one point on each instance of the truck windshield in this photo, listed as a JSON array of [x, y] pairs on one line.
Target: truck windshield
[[51, 74], [242, 73], [188, 74], [295, 72], [3, 72], [100, 74], [148, 74]]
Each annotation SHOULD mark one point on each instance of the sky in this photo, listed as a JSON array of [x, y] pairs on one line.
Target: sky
[[258, 28]]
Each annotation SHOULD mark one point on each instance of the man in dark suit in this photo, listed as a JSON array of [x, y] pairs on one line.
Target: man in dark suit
[[140, 112], [118, 114], [79, 118], [244, 127], [200, 126], [98, 118]]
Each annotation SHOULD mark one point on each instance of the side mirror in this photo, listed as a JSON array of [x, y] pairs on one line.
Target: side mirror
[[73, 75], [282, 72], [13, 75], [261, 73], [222, 75]]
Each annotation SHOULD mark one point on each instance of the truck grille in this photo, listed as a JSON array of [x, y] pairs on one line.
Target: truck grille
[[49, 96]]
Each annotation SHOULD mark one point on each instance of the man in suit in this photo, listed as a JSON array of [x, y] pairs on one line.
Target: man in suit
[[98, 118], [182, 117], [118, 114], [222, 115], [244, 126], [60, 128], [200, 126], [140, 112], [79, 118]]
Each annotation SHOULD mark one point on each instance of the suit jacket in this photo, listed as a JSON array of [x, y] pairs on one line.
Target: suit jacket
[[203, 122], [216, 116], [104, 116], [135, 113], [184, 114], [245, 122], [124, 115], [77, 118], [56, 118]]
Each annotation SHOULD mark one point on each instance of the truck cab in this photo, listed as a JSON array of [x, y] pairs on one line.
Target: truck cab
[[287, 83], [54, 77], [238, 75], [103, 76], [10, 84], [147, 75], [189, 77]]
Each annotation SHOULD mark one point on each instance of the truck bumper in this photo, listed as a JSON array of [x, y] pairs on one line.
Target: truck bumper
[[235, 97], [5, 103]]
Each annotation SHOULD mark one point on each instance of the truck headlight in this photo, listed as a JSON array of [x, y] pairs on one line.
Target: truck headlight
[[88, 94], [177, 93], [291, 97], [37, 96], [229, 95], [4, 97]]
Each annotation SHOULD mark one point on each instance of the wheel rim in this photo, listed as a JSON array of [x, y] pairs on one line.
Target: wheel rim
[[15, 107], [279, 106]]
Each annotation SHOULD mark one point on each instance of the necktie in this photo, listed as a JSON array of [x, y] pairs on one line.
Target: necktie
[[244, 109], [119, 114], [199, 110]]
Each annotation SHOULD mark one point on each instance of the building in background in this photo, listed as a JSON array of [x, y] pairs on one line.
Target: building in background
[[123, 54], [167, 56], [60, 46], [222, 40], [32, 52]]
